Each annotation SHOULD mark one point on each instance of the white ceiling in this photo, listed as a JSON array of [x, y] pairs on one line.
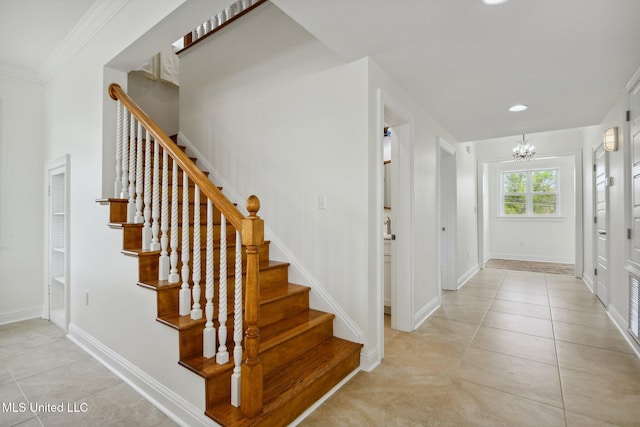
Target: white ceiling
[[33, 29], [569, 60], [467, 63]]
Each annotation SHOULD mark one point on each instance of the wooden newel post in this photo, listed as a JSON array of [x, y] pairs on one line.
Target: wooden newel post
[[251, 374]]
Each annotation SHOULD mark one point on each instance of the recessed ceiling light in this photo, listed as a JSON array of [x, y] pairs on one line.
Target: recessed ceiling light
[[493, 2], [518, 107]]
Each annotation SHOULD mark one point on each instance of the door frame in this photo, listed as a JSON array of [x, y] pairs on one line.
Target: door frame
[[447, 198], [402, 308], [595, 225]]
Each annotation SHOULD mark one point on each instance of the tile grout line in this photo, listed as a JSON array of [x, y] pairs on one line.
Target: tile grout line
[[24, 395], [555, 346], [457, 369], [517, 357]]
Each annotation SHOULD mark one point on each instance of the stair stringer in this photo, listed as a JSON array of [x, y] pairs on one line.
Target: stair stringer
[[320, 299]]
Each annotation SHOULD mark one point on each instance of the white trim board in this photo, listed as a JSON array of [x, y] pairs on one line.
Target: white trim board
[[534, 258], [345, 327], [621, 324], [425, 312], [588, 281], [174, 406], [21, 314], [462, 280]]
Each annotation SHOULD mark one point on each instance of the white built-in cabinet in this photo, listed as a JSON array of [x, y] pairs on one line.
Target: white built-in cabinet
[[56, 307]]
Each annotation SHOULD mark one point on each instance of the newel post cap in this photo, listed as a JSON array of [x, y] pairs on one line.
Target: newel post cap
[[253, 226]]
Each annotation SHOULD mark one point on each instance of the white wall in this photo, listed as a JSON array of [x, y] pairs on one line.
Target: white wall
[[160, 100], [119, 313], [283, 118], [21, 191], [534, 239], [467, 212], [426, 281], [505, 235]]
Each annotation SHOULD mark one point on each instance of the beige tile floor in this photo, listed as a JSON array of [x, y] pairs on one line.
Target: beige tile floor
[[39, 365], [510, 348]]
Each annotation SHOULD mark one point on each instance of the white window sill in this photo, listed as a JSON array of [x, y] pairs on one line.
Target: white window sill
[[542, 218]]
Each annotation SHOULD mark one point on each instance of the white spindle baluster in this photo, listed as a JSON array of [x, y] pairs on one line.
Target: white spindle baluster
[[132, 171], [163, 268], [194, 35], [139, 219], [146, 194], [155, 205], [237, 325], [117, 185], [124, 190], [206, 27], [185, 292], [173, 272], [209, 333], [196, 311], [223, 355]]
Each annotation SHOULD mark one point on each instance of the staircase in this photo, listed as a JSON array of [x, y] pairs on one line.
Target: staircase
[[290, 357]]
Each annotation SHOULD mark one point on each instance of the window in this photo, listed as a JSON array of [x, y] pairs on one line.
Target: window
[[530, 193]]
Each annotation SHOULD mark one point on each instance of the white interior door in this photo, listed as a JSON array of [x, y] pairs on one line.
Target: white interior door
[[447, 223], [601, 180], [634, 252]]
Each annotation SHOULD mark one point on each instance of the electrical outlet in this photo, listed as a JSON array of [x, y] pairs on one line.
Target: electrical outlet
[[521, 243]]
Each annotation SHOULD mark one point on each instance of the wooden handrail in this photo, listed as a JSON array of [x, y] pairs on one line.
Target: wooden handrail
[[233, 215], [251, 229]]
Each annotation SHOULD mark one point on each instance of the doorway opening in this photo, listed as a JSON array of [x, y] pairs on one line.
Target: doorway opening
[[396, 236]]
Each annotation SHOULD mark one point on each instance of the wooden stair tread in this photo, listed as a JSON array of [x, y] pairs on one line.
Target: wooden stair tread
[[273, 294], [294, 383], [138, 252], [181, 322], [159, 284], [278, 332], [302, 359], [185, 322], [270, 336]]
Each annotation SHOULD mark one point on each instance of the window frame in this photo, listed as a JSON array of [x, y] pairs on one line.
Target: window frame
[[529, 194]]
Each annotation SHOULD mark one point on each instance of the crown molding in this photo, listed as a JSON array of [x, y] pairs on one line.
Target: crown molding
[[17, 72], [634, 82], [101, 12]]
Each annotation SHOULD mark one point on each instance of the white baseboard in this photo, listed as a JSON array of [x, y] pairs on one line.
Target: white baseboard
[[174, 406], [369, 360], [534, 258], [425, 312], [346, 327], [20, 315], [588, 280], [621, 324], [468, 275]]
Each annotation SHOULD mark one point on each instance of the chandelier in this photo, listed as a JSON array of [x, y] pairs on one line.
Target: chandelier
[[523, 151]]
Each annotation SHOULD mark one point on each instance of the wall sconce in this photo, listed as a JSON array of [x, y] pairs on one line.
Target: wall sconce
[[610, 139]]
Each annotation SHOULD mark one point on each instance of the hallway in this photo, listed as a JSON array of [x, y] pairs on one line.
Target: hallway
[[510, 348]]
